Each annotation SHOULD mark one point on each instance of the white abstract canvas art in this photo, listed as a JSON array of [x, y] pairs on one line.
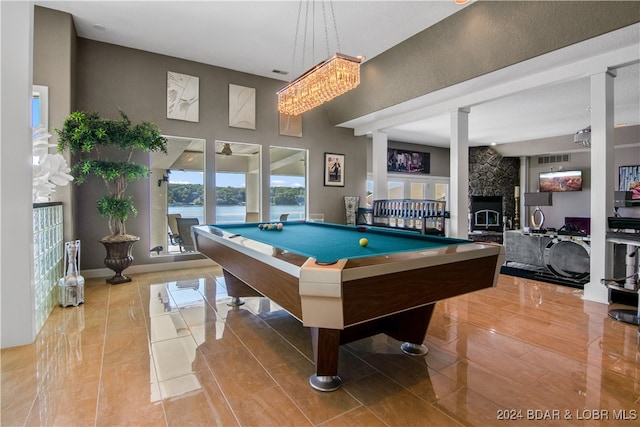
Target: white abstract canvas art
[[291, 125], [242, 107], [183, 97]]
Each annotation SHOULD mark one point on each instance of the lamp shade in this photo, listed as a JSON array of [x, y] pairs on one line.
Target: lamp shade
[[538, 199]]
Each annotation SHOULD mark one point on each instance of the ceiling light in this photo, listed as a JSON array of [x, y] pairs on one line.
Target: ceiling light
[[226, 149], [460, 1], [583, 137], [327, 80]]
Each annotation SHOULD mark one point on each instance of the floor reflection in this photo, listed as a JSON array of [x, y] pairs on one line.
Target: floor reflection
[[177, 328], [166, 349], [60, 358]]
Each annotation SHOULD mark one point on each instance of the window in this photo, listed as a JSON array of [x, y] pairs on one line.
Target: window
[[40, 107], [417, 190], [238, 188], [185, 195], [288, 186], [231, 197], [176, 189], [441, 190], [429, 188], [395, 190]]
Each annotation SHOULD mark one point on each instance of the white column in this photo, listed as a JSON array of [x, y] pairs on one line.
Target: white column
[[459, 183], [602, 184], [16, 208], [379, 165], [252, 189]]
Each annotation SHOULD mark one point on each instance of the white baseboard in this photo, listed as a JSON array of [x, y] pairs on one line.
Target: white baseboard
[[149, 268]]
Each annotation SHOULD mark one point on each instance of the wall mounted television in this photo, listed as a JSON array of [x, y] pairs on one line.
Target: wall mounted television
[[558, 181]]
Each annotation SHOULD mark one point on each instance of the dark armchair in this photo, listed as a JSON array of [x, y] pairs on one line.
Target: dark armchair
[[174, 235]]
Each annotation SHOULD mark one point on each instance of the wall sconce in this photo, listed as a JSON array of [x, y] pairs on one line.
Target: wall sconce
[[165, 178]]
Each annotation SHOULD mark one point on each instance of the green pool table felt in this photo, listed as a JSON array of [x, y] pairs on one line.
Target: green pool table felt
[[328, 243]]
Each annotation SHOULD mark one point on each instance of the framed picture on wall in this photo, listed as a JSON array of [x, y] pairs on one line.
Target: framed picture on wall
[[404, 161], [630, 180], [333, 170]]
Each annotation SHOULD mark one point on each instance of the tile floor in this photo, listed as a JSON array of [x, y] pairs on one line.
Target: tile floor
[[165, 349]]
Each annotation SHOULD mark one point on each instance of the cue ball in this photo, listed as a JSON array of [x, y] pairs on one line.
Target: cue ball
[[364, 242]]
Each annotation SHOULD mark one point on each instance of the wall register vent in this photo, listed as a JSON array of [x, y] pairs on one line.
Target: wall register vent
[[560, 158]]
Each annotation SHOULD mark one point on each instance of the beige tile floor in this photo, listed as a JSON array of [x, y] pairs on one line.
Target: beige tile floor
[[165, 349]]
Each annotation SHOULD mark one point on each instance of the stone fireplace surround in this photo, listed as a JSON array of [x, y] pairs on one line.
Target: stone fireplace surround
[[493, 177]]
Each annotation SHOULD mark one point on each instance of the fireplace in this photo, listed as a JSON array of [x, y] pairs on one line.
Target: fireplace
[[486, 213]]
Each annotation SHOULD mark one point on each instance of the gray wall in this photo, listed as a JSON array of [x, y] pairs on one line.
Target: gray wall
[[577, 204], [54, 48], [456, 49], [111, 77]]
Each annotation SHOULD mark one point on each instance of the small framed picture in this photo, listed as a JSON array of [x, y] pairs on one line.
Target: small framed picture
[[629, 180], [333, 170]]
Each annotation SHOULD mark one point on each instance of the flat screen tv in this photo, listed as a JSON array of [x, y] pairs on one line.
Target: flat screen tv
[[558, 181]]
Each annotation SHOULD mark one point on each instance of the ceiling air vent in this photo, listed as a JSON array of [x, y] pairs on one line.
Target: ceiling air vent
[[560, 158]]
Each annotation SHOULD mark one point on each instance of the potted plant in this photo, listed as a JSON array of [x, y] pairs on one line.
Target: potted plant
[[104, 148]]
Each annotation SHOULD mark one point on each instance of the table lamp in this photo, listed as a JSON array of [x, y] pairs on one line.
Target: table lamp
[[537, 200]]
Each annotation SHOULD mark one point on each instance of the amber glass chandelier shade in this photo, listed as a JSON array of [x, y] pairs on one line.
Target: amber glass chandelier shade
[[327, 80]]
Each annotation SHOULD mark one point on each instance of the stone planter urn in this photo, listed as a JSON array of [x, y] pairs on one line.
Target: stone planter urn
[[118, 259]]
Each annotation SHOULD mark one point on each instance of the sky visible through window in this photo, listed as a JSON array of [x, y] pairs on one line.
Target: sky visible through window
[[35, 112], [231, 179]]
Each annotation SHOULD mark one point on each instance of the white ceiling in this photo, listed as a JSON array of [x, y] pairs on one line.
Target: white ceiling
[[258, 36]]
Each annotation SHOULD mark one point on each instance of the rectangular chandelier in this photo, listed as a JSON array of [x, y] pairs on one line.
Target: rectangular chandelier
[[333, 77]]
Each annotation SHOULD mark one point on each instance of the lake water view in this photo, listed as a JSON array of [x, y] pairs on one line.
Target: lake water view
[[231, 214]]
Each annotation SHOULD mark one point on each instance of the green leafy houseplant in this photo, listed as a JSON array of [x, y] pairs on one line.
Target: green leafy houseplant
[[104, 149]]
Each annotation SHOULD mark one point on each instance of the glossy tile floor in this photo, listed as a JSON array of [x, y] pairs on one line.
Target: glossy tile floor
[[165, 349]]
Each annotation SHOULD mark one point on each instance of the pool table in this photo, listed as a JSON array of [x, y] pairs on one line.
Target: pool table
[[343, 291]]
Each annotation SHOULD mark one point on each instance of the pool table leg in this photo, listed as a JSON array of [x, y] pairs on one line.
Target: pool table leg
[[411, 326], [326, 346], [237, 288]]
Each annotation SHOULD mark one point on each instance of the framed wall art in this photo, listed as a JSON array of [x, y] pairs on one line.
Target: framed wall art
[[404, 161], [242, 107], [291, 125], [333, 170], [183, 97], [629, 180]]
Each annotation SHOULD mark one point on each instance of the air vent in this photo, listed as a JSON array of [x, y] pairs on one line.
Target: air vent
[[284, 73], [560, 158]]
